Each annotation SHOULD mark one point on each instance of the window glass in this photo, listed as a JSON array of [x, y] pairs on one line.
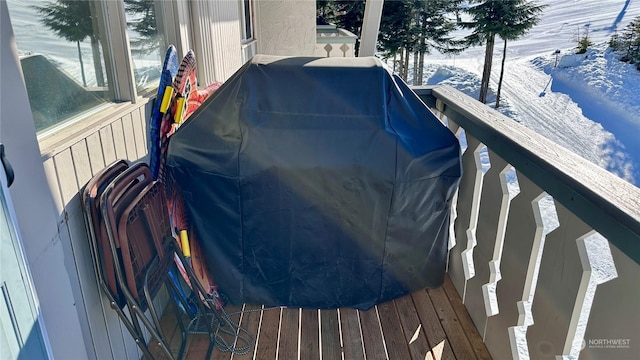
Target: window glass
[[60, 50], [248, 20], [146, 40]]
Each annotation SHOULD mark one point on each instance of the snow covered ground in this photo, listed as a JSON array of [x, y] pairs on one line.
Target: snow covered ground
[[589, 103]]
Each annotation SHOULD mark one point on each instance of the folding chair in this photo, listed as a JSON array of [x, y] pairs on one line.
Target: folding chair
[[137, 223], [101, 253]]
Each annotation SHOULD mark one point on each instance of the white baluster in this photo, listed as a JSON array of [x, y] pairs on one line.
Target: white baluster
[[613, 329], [522, 240], [494, 206], [460, 268], [456, 130], [453, 126], [561, 287]]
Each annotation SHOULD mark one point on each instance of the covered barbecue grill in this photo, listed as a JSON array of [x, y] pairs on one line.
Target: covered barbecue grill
[[317, 182]]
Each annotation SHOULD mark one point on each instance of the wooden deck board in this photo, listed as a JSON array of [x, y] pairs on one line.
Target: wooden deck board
[[436, 337], [309, 335], [428, 324], [459, 342], [374, 347], [413, 331], [223, 333], [330, 335], [393, 332], [170, 330], [465, 320], [288, 342], [351, 334], [267, 339], [250, 322]]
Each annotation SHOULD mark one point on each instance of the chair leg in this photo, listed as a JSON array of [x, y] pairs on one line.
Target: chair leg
[[161, 342], [174, 293], [133, 327], [149, 298], [157, 329]]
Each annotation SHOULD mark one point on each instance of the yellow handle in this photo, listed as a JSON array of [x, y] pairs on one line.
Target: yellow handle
[[184, 240], [166, 99], [179, 111]]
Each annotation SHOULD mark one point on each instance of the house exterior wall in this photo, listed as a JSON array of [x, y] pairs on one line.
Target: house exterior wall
[[68, 166], [286, 27], [216, 33]]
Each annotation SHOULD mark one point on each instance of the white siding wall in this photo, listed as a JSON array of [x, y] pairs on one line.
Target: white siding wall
[[68, 167], [174, 19], [286, 27], [216, 33]]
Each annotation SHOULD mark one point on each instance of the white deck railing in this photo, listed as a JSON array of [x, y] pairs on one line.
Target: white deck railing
[[334, 42], [539, 288]]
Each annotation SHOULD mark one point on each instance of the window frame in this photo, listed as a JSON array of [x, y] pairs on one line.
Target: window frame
[[248, 46], [117, 50], [119, 69], [243, 21]]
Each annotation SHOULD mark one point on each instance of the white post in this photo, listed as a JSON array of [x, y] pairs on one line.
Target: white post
[[370, 27]]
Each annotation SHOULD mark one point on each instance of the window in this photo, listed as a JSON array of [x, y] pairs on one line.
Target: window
[[249, 44], [74, 58], [60, 50], [146, 41], [247, 20]]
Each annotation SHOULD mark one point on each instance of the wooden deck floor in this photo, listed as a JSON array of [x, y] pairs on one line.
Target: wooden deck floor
[[428, 324]]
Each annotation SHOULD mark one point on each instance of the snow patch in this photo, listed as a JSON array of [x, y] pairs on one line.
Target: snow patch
[[571, 60]]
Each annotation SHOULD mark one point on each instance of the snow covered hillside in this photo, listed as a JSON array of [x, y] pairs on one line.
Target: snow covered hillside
[[588, 103]]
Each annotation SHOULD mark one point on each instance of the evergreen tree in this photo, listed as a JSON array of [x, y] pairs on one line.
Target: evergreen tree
[[350, 14], [634, 44], [627, 42], [144, 23], [396, 32], [407, 27], [583, 41], [436, 20], [497, 17], [74, 20], [326, 10], [523, 16], [417, 27]]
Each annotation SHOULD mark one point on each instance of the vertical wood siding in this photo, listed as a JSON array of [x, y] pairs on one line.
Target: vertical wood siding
[[68, 170], [216, 33]]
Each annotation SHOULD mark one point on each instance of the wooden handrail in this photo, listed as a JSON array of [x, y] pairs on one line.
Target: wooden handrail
[[604, 201]]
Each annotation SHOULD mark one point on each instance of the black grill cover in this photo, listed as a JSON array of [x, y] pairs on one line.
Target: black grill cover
[[318, 183]]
